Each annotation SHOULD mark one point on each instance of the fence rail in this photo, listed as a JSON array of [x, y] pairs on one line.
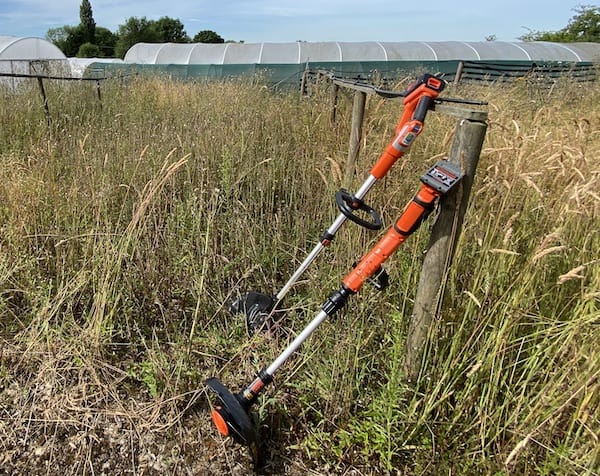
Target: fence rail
[[46, 76], [544, 74], [505, 72], [40, 80]]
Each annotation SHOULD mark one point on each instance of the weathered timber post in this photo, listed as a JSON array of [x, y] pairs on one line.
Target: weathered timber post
[[304, 81], [466, 148], [303, 84], [99, 93], [358, 114], [334, 102], [459, 71], [44, 100]]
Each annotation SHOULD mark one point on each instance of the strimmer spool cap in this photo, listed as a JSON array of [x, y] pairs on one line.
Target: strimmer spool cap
[[231, 417]]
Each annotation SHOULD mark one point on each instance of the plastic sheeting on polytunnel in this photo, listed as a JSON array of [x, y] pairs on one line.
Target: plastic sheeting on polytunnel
[[328, 52], [29, 56], [28, 48]]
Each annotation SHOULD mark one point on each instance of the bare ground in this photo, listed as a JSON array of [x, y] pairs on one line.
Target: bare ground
[[60, 415]]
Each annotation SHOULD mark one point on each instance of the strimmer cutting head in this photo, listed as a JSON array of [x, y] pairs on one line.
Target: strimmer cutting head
[[231, 418], [258, 309]]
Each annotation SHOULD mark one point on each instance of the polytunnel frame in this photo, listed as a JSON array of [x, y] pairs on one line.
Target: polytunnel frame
[[334, 51]]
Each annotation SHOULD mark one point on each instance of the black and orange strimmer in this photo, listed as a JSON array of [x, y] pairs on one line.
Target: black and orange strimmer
[[231, 412], [418, 98]]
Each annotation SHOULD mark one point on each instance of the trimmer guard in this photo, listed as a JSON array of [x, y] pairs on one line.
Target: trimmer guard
[[232, 419], [257, 308]]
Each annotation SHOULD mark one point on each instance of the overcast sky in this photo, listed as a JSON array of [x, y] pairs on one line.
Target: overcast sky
[[307, 20]]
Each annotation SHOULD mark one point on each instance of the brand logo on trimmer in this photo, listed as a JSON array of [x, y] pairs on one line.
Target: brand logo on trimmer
[[406, 136], [443, 177], [408, 139]]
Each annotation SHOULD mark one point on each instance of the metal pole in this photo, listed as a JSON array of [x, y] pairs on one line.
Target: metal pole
[[297, 342], [332, 230]]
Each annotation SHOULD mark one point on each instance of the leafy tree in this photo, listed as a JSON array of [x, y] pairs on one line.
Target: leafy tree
[[87, 22], [170, 30], [207, 36], [87, 39], [584, 26], [138, 30], [135, 30], [106, 41], [58, 36], [67, 38], [89, 50], [70, 39]]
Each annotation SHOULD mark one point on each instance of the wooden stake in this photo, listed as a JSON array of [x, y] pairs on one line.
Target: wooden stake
[[358, 114], [465, 151], [44, 101]]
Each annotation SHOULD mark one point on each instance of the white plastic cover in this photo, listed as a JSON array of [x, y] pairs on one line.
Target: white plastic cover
[[28, 48], [303, 52]]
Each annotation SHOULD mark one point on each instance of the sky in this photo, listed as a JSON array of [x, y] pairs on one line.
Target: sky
[[307, 20]]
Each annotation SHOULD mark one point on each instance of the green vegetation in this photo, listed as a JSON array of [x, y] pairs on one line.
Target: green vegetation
[[583, 26], [126, 229], [207, 36], [137, 30], [88, 24], [86, 40]]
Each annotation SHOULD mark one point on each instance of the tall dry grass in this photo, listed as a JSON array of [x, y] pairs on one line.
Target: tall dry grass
[[126, 229]]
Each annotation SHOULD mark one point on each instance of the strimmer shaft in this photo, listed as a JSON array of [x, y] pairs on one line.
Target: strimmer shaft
[[325, 241], [437, 181], [231, 414], [420, 96], [261, 309]]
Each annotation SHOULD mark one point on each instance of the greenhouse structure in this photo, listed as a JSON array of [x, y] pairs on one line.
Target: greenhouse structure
[[286, 62], [28, 48], [29, 56]]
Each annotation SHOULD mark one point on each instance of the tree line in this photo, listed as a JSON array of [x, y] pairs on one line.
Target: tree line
[[583, 26], [87, 40]]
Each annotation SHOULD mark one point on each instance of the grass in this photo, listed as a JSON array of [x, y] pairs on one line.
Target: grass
[[126, 230]]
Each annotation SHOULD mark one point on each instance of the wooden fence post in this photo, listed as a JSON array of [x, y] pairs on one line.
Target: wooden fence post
[[459, 72], [334, 102], [358, 114], [99, 93], [44, 100], [465, 151], [304, 81]]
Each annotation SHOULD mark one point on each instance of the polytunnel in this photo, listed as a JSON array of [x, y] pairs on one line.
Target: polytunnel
[[286, 62], [29, 56], [339, 52], [28, 48]]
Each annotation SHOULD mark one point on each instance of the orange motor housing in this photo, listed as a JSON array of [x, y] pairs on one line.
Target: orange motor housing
[[412, 216], [420, 96]]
